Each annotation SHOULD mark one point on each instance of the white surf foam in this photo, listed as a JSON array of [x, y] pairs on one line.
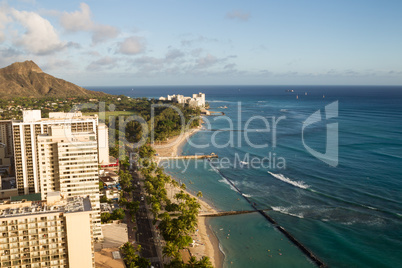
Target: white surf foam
[[300, 184], [221, 101], [226, 182], [284, 210]]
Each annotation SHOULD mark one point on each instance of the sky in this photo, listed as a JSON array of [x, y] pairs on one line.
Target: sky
[[226, 42]]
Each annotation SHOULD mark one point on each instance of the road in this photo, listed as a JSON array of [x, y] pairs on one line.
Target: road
[[145, 234]]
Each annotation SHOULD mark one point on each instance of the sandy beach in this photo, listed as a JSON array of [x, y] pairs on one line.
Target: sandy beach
[[205, 242], [173, 147]]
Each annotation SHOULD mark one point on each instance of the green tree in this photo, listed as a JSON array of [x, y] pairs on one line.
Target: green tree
[[105, 217], [118, 214]]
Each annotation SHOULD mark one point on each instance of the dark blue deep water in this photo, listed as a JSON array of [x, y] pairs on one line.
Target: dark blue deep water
[[348, 214]]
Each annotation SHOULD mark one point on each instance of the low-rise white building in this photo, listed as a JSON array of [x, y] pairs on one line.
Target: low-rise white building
[[197, 100]]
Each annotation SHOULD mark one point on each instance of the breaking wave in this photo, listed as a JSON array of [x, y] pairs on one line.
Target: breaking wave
[[284, 210], [300, 184], [225, 181]]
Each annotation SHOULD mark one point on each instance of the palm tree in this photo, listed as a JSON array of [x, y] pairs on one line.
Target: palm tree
[[183, 186], [199, 194], [192, 262], [170, 250], [174, 184], [205, 262]]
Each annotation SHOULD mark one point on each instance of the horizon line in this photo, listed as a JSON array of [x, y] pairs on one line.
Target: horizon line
[[250, 85]]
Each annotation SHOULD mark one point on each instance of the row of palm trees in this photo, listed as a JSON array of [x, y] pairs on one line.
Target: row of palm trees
[[176, 219], [131, 256]]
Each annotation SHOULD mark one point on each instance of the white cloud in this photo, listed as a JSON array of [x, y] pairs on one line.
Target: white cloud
[[102, 63], [81, 20], [131, 46], [174, 54], [40, 37], [55, 63], [230, 66], [198, 40], [206, 61], [103, 33], [238, 15], [4, 20]]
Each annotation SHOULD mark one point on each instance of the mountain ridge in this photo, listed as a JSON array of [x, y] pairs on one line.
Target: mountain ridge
[[26, 79]]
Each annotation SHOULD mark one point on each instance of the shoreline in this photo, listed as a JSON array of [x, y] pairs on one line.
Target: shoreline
[[205, 242], [166, 149]]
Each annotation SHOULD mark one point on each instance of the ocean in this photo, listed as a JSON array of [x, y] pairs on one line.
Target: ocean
[[346, 209]]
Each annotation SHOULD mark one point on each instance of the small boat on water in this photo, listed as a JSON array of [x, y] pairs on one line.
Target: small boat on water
[[243, 163], [222, 107], [289, 90]]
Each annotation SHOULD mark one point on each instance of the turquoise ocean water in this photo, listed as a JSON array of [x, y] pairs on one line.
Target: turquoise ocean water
[[349, 215]]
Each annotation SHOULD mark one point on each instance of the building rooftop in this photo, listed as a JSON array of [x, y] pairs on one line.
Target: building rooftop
[[107, 179], [25, 208]]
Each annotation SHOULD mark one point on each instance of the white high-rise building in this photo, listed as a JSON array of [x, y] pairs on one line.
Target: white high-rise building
[[69, 163], [6, 139], [103, 144], [25, 135], [60, 153]]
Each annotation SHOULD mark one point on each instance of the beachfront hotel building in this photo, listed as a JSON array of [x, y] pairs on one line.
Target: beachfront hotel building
[[6, 143], [68, 163], [25, 134], [103, 143], [59, 153], [6, 137], [52, 233], [197, 100]]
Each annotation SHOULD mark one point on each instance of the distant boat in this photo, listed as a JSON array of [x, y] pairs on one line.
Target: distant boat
[[243, 163], [297, 96], [289, 90], [222, 107]]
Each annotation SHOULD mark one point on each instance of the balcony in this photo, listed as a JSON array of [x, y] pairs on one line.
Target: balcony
[[4, 246], [5, 258], [26, 255], [34, 243], [36, 248], [15, 233]]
